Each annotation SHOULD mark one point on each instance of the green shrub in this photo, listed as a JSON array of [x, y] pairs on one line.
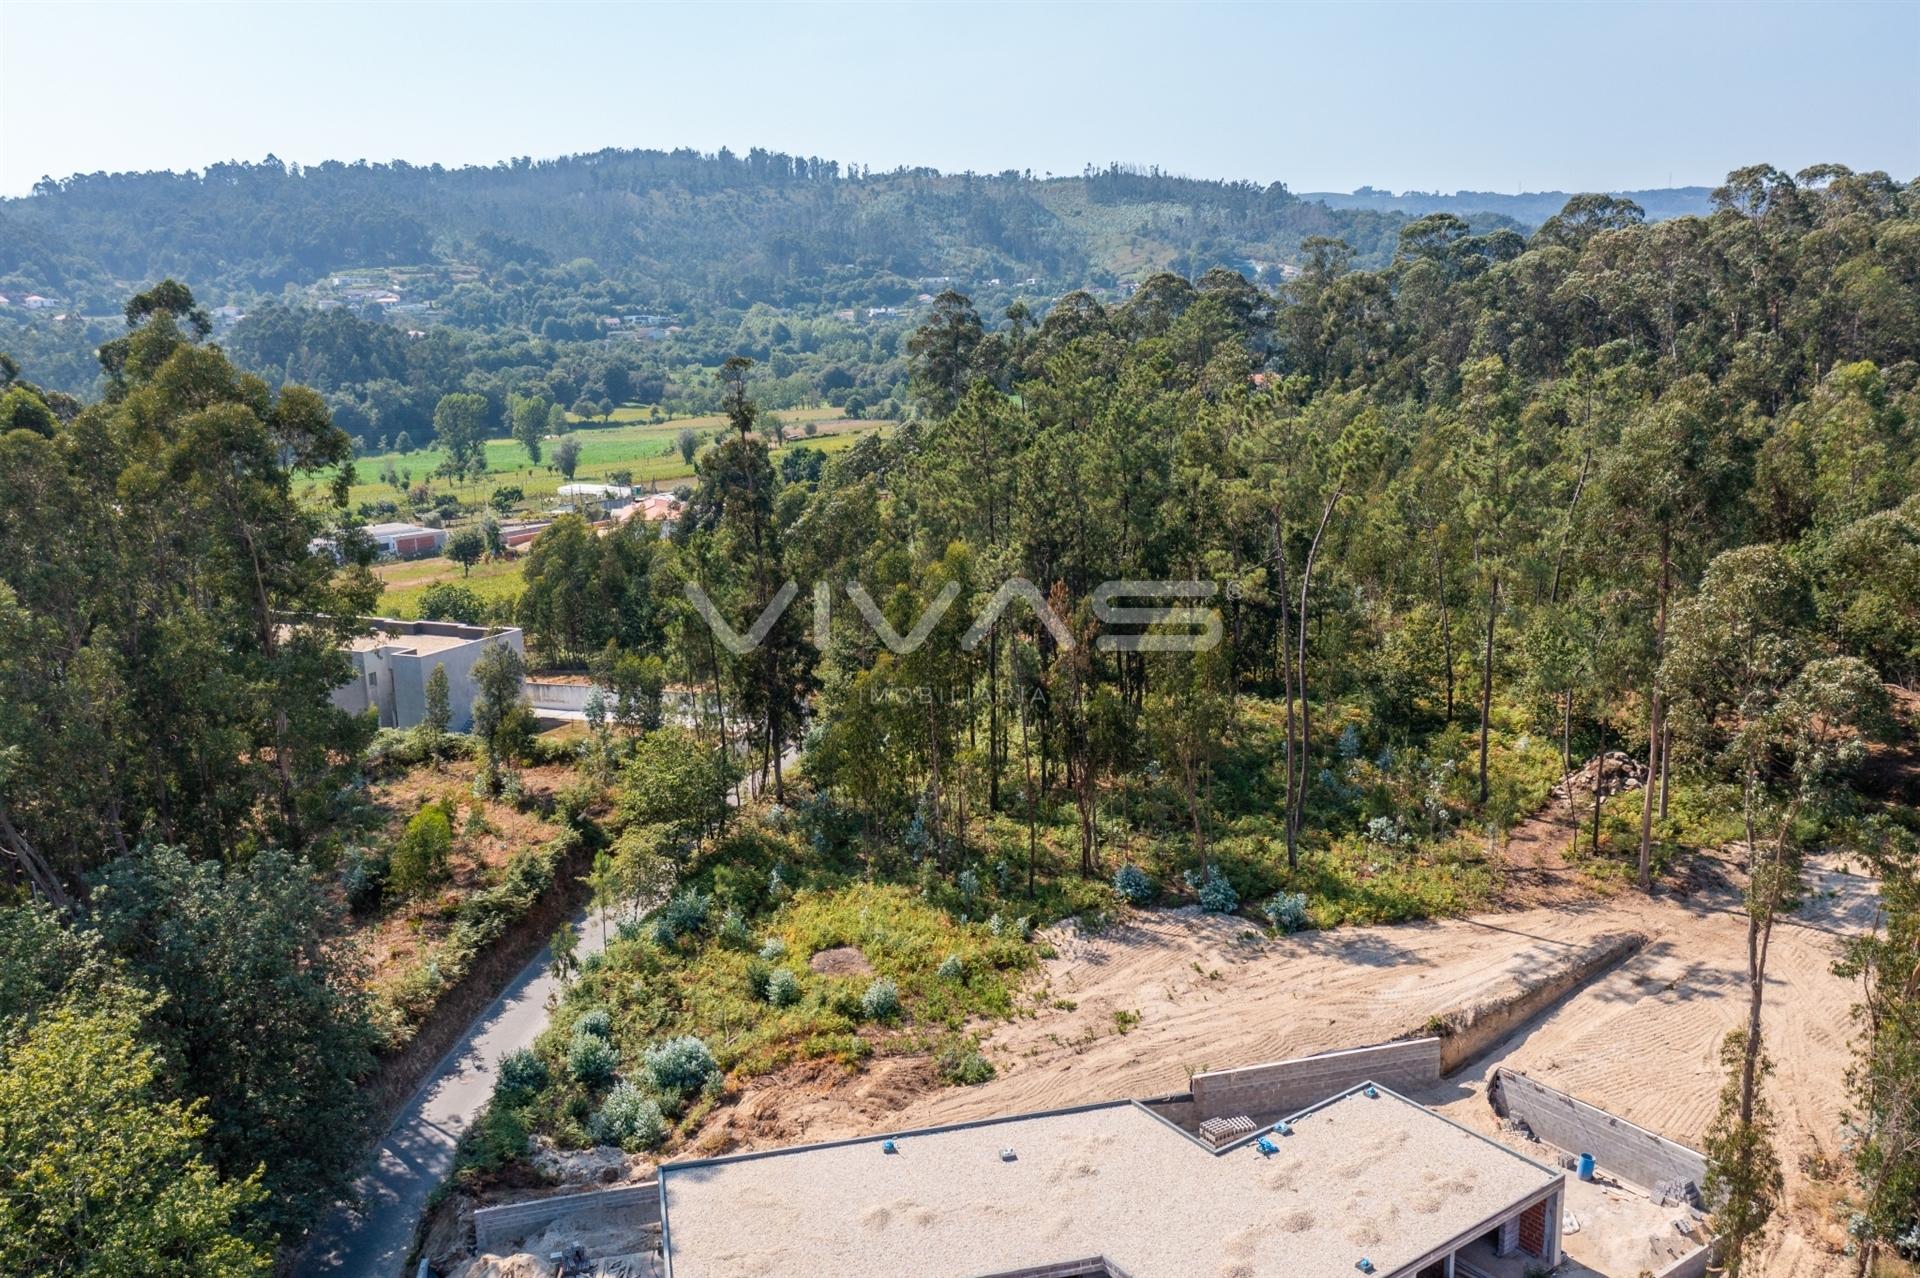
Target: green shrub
[[681, 1066], [522, 1076], [683, 915], [1132, 883], [500, 1137], [628, 1118], [596, 1022], [774, 950], [545, 751], [591, 1060], [952, 968], [363, 879], [783, 988], [881, 1002], [758, 977], [1015, 929], [1287, 911], [1216, 894], [963, 1064], [419, 859]]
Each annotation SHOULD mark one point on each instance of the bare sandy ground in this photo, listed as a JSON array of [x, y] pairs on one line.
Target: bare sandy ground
[[1644, 1042]]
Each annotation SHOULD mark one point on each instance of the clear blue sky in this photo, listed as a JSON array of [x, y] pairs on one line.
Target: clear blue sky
[[1430, 96]]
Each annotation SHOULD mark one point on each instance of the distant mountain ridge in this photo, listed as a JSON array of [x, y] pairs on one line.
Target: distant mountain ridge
[[686, 227], [1530, 208]]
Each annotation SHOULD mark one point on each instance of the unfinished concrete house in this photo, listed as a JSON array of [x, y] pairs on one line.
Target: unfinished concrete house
[[1364, 1182], [394, 659]]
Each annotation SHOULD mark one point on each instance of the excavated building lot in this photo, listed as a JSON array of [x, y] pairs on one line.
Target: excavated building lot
[[1641, 1040]]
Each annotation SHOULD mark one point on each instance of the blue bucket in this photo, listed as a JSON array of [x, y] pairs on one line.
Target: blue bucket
[[1586, 1167]]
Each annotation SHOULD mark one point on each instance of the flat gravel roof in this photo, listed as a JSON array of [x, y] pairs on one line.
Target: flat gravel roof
[[1379, 1177]]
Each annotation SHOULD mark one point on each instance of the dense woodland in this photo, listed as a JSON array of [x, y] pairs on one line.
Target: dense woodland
[[1470, 516]]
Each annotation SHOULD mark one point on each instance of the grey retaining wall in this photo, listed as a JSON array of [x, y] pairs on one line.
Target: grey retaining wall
[[1624, 1149], [495, 1226], [1286, 1087], [543, 695], [1467, 1032]]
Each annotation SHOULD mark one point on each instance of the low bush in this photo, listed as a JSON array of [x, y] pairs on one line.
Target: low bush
[[1216, 894], [363, 879], [1287, 911], [591, 1060], [881, 1002], [419, 859], [952, 968], [683, 915], [1133, 885], [963, 1064], [594, 1021], [500, 1137], [681, 1066], [522, 1076], [628, 1118], [783, 988]]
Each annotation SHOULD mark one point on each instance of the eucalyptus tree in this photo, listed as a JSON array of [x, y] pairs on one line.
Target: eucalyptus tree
[[1771, 710], [154, 684], [1666, 490]]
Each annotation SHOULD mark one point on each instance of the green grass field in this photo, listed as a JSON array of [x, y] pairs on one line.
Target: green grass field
[[649, 451], [632, 443], [407, 581]]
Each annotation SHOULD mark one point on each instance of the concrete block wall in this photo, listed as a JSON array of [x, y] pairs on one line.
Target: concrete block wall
[[1620, 1148], [1471, 1030], [1091, 1267], [1691, 1265], [560, 696], [495, 1227], [1286, 1087]]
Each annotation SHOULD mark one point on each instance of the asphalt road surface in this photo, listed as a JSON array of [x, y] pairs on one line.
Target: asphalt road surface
[[371, 1239]]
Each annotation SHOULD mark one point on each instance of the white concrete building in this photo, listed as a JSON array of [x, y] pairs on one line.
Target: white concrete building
[[391, 665]]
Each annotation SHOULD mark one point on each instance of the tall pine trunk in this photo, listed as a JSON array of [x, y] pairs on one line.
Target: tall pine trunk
[[1486, 682], [1655, 761]]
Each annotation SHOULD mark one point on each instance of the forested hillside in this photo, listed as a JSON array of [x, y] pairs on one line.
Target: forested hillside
[[682, 225], [552, 251], [1529, 208]]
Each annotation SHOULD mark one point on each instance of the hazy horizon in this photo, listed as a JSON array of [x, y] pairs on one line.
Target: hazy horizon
[[1498, 98]]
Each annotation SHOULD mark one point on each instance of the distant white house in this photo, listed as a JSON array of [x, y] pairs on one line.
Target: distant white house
[[407, 541], [610, 496]]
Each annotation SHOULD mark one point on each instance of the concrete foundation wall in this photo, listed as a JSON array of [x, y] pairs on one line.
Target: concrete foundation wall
[[560, 696], [1286, 1087], [495, 1228], [1091, 1267], [1620, 1148], [1691, 1265], [1469, 1031]]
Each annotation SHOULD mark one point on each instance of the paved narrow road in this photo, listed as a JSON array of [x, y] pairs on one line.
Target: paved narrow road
[[372, 1239]]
